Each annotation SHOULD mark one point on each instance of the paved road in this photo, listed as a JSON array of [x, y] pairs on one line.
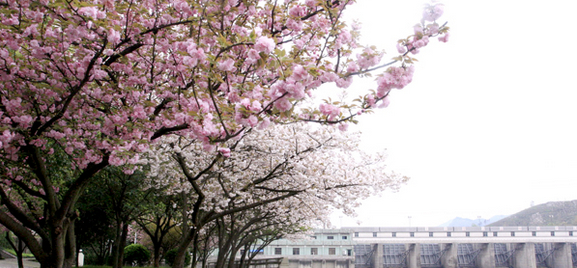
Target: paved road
[[12, 263]]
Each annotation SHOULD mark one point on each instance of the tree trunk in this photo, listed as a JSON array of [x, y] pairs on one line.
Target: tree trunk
[[183, 248], [70, 247], [123, 243], [188, 235], [54, 248], [119, 243], [222, 244], [114, 254], [19, 256], [156, 261], [52, 262]]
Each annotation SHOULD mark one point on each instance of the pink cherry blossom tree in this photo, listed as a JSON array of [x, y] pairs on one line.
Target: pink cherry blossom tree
[[89, 84]]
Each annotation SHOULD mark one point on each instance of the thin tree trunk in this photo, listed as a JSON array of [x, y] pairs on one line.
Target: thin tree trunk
[[222, 244], [19, 254]]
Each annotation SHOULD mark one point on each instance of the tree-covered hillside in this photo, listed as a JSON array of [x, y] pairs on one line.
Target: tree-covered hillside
[[551, 213]]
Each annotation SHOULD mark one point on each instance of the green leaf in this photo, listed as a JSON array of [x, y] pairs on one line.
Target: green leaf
[[222, 41]]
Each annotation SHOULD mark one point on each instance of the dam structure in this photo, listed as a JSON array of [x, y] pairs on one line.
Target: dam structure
[[431, 247]]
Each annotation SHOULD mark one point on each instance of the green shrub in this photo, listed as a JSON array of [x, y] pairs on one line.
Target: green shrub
[[89, 259], [3, 242], [92, 259], [171, 254], [136, 253]]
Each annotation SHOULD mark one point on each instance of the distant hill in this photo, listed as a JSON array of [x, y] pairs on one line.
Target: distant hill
[[551, 213], [462, 222]]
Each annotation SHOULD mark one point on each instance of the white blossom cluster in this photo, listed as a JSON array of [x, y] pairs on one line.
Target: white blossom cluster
[[299, 170]]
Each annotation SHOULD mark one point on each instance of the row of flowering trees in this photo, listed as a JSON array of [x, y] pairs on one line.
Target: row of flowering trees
[[275, 182], [188, 88]]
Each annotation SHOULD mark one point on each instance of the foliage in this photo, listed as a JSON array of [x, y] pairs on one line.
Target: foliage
[[125, 201], [3, 242], [159, 221], [136, 253], [91, 259], [112, 200], [171, 254], [93, 227]]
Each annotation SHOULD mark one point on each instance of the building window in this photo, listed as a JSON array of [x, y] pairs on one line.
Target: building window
[[277, 251], [534, 233], [394, 234], [552, 233], [495, 234], [344, 237], [330, 237], [485, 234], [512, 233], [448, 234], [412, 234], [296, 251], [332, 251], [570, 233], [356, 234], [467, 234], [314, 251], [314, 237], [374, 234], [430, 234]]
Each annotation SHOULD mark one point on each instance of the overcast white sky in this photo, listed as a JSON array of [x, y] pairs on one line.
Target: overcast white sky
[[488, 124]]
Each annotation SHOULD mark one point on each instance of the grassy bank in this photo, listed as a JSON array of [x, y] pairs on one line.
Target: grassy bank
[[11, 251]]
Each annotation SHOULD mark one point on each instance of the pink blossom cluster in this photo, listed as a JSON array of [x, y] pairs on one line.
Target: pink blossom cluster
[[368, 58], [246, 112], [6, 138], [395, 77], [224, 152], [331, 111], [264, 44], [433, 12], [444, 38], [414, 43], [422, 32]]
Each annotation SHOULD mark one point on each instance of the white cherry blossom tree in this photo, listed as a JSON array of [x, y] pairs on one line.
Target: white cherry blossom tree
[[298, 171]]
